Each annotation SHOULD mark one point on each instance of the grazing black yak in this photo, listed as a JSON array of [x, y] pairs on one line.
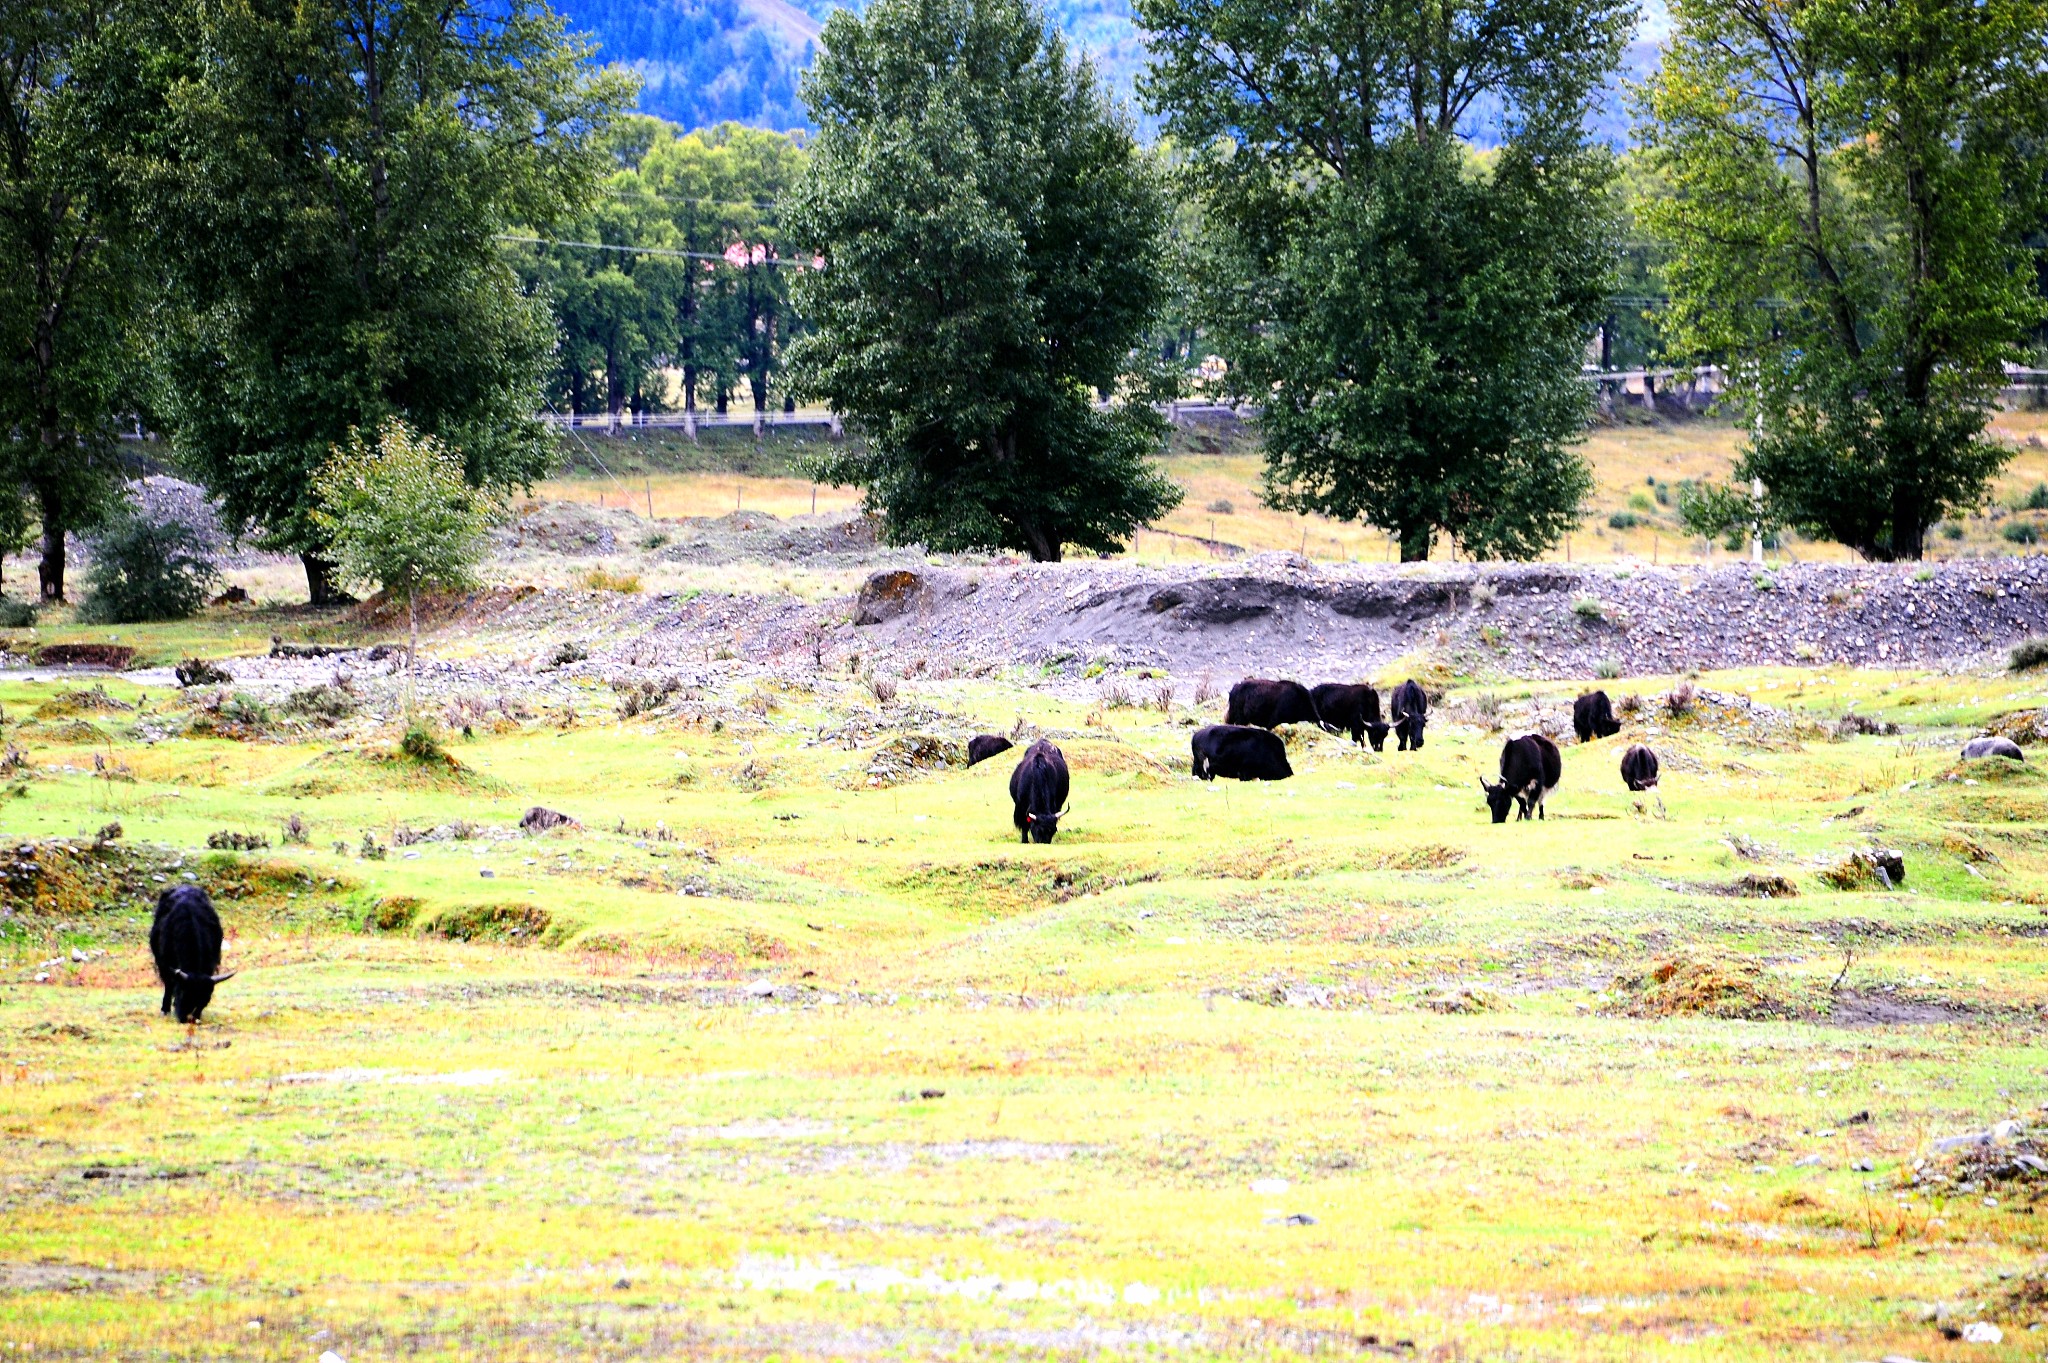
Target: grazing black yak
[[981, 747], [1410, 709], [1593, 717], [185, 940], [1639, 768], [1240, 752], [1353, 709], [1269, 704], [1530, 769], [1039, 789]]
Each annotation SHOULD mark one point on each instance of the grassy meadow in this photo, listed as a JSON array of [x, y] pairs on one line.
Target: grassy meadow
[[792, 1053]]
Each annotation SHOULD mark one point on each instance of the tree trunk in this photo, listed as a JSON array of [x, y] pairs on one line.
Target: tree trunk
[[1415, 542], [51, 569], [321, 589], [1045, 546]]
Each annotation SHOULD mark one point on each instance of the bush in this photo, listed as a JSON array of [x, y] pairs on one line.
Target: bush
[[2028, 654], [604, 580], [1624, 520], [1640, 501], [1951, 530], [2036, 500], [1589, 608], [1607, 669], [320, 702], [1223, 506], [2021, 532], [144, 568], [16, 614], [421, 745]]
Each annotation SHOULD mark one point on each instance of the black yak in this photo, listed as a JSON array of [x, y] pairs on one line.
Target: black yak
[[1410, 708], [1639, 768], [1352, 709], [1241, 752], [1593, 717], [981, 747], [1269, 704], [185, 940], [1530, 769], [1039, 789]]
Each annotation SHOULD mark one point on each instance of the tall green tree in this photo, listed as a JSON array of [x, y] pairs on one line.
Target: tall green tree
[[335, 173], [993, 244], [1412, 316], [68, 281], [1847, 236]]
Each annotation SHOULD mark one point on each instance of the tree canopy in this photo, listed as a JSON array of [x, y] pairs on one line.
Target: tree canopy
[[1851, 185], [993, 245], [1411, 313], [336, 173]]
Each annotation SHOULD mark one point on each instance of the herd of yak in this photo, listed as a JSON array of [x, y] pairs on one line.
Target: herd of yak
[[185, 938], [1245, 748]]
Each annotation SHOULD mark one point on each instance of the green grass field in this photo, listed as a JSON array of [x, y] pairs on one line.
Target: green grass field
[[772, 1061]]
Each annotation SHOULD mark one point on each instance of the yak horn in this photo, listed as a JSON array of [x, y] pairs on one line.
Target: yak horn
[[179, 973], [218, 978]]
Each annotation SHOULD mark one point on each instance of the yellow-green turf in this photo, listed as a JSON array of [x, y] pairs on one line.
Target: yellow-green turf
[[1175, 1086]]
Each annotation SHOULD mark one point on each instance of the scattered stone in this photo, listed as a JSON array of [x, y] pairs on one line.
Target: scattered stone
[[1993, 746], [541, 819]]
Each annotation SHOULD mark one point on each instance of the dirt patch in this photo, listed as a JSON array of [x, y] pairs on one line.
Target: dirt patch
[[1704, 987], [1849, 1008], [73, 1278], [116, 657], [2023, 1301], [1429, 856]]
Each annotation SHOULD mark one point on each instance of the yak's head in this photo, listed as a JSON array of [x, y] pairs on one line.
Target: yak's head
[[1410, 729], [193, 993], [1043, 827], [1376, 734], [1499, 800]]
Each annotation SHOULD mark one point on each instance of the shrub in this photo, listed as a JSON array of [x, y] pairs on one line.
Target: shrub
[[420, 744], [16, 614], [2021, 532], [604, 580], [146, 568], [1483, 596], [1680, 700], [2037, 499], [1223, 506], [1951, 530], [1624, 520], [1640, 501], [883, 686], [1589, 608], [320, 702], [1607, 669], [2028, 654]]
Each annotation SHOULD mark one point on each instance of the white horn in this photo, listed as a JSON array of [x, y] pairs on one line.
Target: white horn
[[179, 973]]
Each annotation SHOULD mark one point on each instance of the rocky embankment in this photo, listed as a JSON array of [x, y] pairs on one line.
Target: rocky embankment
[[1281, 613]]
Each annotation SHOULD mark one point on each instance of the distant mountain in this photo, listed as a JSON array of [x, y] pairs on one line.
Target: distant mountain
[[704, 61]]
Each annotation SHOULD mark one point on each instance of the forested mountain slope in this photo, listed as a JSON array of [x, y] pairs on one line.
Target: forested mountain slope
[[705, 61]]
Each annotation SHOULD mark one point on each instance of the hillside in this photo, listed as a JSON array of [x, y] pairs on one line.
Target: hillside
[[705, 61]]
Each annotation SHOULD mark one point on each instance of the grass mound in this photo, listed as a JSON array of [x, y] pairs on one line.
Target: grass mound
[[92, 700], [1707, 987], [1866, 869], [1429, 856], [62, 878], [509, 923], [1463, 1000]]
